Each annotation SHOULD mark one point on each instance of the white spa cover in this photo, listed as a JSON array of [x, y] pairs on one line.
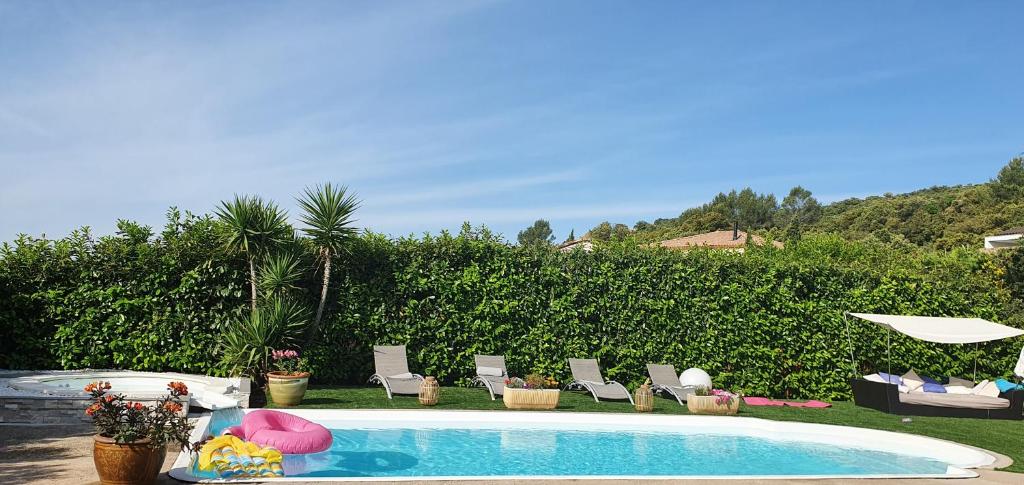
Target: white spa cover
[[943, 330]]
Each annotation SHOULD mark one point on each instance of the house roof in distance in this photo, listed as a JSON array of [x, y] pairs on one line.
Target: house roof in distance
[[1011, 231], [716, 240]]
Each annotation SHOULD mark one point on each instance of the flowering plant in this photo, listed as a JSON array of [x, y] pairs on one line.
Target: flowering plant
[[287, 361], [127, 421], [532, 381], [722, 397]]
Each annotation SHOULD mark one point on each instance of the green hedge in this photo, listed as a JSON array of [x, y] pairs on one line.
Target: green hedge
[[767, 322]]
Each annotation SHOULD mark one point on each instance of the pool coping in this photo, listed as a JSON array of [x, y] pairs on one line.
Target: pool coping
[[180, 470]]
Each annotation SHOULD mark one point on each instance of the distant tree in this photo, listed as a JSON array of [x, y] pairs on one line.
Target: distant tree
[[607, 231], [1015, 273], [798, 210], [745, 207], [539, 234], [1009, 183], [572, 236], [643, 226]]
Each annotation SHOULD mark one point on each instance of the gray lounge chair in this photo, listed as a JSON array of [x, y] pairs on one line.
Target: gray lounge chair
[[586, 374], [391, 368], [495, 384], [665, 379]]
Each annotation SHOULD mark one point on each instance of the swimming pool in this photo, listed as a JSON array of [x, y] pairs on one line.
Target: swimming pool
[[454, 445]]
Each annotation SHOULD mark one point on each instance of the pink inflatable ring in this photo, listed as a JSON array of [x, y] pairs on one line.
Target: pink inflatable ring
[[288, 433]]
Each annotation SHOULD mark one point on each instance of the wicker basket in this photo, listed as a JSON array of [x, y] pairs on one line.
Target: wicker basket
[[530, 398], [429, 391], [709, 405], [643, 399]]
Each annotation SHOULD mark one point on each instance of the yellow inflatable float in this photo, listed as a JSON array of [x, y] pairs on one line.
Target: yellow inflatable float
[[231, 457]]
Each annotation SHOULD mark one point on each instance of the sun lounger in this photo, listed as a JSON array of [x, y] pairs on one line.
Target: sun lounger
[[391, 367], [665, 379], [491, 373], [887, 398], [586, 374]]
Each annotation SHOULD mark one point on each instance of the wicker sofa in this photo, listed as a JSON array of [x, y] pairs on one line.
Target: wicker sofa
[[887, 398]]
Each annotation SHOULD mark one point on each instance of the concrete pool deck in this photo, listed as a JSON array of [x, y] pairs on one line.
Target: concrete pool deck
[[62, 455]]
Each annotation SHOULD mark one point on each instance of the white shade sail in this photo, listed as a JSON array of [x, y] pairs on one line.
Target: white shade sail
[[943, 330]]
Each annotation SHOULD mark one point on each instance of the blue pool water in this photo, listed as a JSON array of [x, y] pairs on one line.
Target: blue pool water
[[412, 452]]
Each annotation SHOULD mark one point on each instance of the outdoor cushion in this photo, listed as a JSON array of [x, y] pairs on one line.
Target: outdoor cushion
[[957, 389], [933, 387], [913, 381], [874, 378], [986, 388], [1007, 386], [956, 381], [954, 400], [891, 379], [490, 371]]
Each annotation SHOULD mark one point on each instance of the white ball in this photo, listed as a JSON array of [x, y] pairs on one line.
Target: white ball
[[695, 377]]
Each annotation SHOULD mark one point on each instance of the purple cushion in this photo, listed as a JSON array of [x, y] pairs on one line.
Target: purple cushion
[[891, 379], [933, 387], [929, 380]]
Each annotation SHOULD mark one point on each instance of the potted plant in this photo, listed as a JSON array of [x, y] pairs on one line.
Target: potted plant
[[287, 383], [534, 392], [131, 438], [712, 401]]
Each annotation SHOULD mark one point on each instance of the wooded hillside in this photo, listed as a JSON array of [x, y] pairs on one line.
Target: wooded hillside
[[937, 217]]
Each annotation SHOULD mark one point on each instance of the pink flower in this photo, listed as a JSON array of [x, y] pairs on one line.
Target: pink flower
[[284, 354]]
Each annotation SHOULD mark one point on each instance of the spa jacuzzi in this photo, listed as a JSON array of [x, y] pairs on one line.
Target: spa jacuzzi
[[204, 391]]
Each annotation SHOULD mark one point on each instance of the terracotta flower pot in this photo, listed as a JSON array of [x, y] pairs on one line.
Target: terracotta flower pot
[[287, 389], [133, 463]]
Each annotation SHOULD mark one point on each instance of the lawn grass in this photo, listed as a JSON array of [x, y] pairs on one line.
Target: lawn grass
[[1001, 436]]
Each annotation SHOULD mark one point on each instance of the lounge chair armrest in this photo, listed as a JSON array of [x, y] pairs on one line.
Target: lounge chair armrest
[[882, 396], [1016, 399]]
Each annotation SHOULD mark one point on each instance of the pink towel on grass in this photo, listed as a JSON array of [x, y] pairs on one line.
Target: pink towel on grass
[[764, 401], [761, 401], [809, 404]]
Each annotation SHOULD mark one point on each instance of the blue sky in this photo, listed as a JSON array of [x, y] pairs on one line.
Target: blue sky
[[494, 112]]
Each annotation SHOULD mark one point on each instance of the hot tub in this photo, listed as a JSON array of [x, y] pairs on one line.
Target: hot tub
[[204, 391]]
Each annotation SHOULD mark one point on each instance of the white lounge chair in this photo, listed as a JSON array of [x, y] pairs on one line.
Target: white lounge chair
[[586, 374], [391, 368], [491, 373], [665, 379]]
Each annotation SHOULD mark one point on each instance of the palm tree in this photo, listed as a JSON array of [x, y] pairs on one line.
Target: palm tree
[[280, 274], [246, 345], [327, 214], [255, 228]]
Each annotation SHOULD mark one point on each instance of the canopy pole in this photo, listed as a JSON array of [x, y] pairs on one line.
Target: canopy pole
[[888, 352], [975, 361], [849, 342]]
